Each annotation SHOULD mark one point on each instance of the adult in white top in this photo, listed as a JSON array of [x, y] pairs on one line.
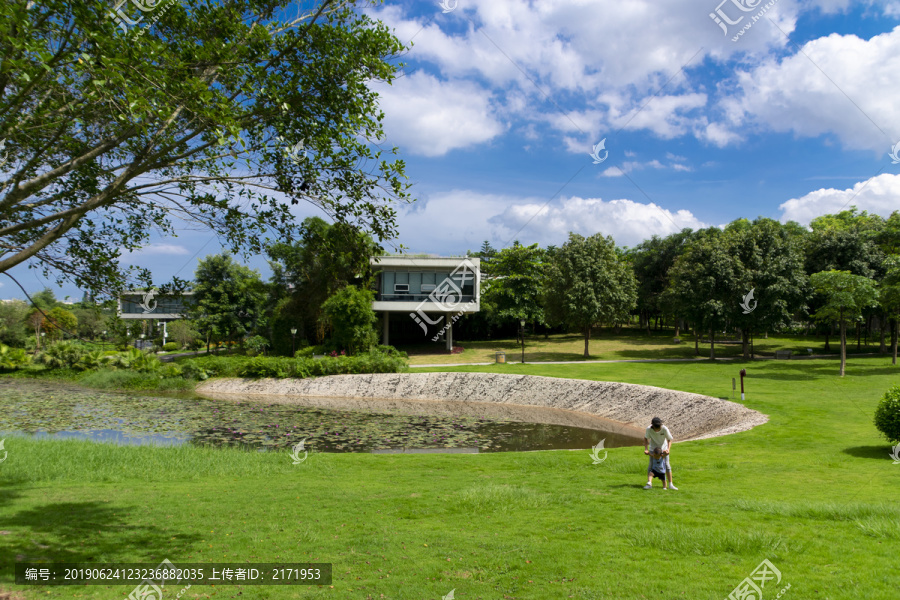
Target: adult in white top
[[658, 436], [658, 440]]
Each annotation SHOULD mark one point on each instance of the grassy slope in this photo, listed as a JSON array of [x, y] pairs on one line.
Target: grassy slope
[[813, 491]]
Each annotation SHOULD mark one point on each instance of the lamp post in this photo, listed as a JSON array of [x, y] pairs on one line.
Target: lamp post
[[41, 342], [522, 333], [293, 337], [141, 347]]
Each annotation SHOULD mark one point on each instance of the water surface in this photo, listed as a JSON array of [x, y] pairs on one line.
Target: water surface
[[47, 409]]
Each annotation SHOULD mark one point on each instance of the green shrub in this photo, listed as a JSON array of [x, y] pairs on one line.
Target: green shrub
[[261, 366], [887, 415], [13, 358], [133, 380], [374, 361], [390, 351], [193, 371], [171, 370], [257, 344], [64, 355], [92, 360], [171, 347], [216, 366]]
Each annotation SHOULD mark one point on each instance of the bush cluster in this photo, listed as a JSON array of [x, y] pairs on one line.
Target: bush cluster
[[382, 359], [887, 415]]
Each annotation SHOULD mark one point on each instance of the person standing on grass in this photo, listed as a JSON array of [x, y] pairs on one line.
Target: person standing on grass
[[658, 441]]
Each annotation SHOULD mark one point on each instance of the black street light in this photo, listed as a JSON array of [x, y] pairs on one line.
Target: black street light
[[293, 337], [522, 332]]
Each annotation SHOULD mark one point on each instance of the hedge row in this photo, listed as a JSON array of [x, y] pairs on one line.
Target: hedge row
[[280, 367]]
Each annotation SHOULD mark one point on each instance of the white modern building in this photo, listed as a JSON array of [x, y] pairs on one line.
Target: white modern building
[[430, 293], [151, 305]]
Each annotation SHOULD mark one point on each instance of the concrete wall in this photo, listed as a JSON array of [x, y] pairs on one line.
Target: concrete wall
[[688, 416]]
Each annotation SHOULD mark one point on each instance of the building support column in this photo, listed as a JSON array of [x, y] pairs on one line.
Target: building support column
[[386, 319], [449, 335]]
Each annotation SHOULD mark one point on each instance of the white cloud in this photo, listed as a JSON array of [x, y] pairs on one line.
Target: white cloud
[[879, 195], [627, 221], [171, 249], [454, 221], [424, 115], [142, 255], [541, 60], [629, 166], [839, 84]]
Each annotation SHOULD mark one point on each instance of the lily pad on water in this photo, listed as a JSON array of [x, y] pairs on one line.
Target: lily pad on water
[[43, 407]]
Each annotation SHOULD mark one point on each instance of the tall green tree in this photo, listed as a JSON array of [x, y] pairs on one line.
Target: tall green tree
[[228, 300], [890, 300], [59, 322], [182, 332], [770, 264], [305, 274], [517, 285], [12, 322], [587, 283], [706, 280], [652, 260], [846, 297], [222, 114], [349, 312]]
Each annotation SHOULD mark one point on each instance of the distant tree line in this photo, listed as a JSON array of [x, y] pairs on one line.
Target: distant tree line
[[843, 270], [748, 278]]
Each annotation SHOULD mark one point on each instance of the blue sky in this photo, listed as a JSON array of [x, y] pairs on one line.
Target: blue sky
[[501, 102]]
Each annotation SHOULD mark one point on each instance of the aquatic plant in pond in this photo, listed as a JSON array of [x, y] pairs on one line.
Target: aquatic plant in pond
[[47, 407]]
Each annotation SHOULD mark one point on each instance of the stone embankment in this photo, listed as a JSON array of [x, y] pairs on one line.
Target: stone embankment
[[572, 402]]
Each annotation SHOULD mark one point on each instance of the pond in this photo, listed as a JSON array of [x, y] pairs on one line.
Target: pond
[[46, 409]]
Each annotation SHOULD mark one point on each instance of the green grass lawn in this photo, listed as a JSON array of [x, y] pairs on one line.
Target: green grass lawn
[[628, 344], [813, 491]]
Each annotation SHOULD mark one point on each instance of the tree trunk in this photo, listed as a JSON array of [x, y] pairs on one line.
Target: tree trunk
[[696, 342], [712, 343], [587, 339], [895, 333], [881, 322], [745, 342], [647, 321], [843, 343], [858, 334], [677, 327], [827, 345]]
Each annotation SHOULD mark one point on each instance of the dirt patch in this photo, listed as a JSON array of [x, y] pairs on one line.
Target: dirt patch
[[689, 416]]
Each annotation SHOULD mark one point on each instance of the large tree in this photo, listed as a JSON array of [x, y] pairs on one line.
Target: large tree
[[516, 285], [890, 300], [352, 319], [308, 272], [587, 283], [220, 114], [228, 299], [771, 265], [846, 297], [652, 260], [706, 281]]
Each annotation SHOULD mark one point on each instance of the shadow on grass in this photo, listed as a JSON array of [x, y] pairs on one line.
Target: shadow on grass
[[82, 532], [800, 370], [879, 452]]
